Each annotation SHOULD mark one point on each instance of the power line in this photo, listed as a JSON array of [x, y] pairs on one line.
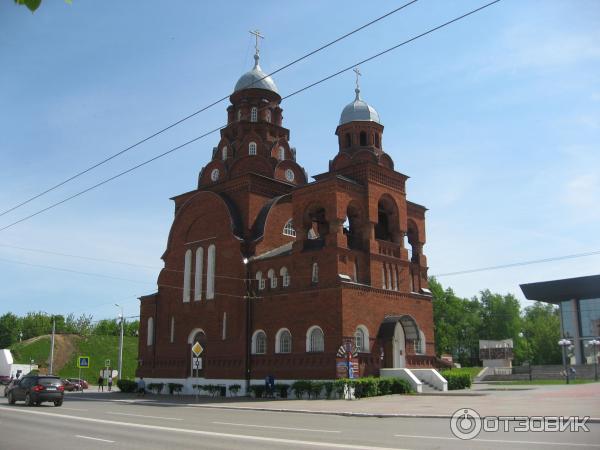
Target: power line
[[223, 126], [195, 113], [518, 264]]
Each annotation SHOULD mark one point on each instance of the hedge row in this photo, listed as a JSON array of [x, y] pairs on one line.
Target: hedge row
[[127, 385], [457, 379], [363, 387]]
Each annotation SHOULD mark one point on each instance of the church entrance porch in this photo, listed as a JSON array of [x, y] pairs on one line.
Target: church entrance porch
[[396, 334]]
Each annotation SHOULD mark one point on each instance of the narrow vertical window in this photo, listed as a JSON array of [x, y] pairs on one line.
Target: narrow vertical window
[[239, 115], [363, 138], [281, 153], [390, 277], [198, 273], [150, 332], [272, 278], [254, 114], [315, 273], [377, 140], [396, 277], [356, 271], [252, 148], [172, 329], [224, 153], [187, 276], [348, 140], [224, 327], [383, 284], [261, 280], [210, 273], [268, 115], [285, 277]]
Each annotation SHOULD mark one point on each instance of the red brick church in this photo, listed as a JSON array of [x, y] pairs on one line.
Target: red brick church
[[271, 273]]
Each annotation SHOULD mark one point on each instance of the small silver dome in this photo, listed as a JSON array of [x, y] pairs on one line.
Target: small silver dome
[[359, 110], [256, 79]]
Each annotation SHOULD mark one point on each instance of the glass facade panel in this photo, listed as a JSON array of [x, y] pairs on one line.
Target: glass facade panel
[[589, 314], [569, 318]]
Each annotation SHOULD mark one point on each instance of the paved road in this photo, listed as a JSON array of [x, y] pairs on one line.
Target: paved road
[[98, 423]]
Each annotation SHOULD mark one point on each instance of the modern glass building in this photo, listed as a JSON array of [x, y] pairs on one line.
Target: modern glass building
[[579, 302]]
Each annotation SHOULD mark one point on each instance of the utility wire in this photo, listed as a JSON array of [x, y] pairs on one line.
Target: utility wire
[[195, 113], [223, 126]]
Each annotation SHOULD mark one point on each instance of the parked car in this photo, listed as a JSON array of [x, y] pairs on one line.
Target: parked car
[[82, 383], [71, 385], [4, 380], [35, 389]]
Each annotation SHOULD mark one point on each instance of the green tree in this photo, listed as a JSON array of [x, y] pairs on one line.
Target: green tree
[[500, 316], [36, 324], [541, 332], [108, 327], [9, 330]]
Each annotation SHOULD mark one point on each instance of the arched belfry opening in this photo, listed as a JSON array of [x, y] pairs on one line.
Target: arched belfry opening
[[352, 227], [388, 220], [316, 226], [412, 239]]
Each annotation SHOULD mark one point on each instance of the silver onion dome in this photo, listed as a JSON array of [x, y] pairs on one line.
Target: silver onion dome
[[256, 79], [359, 110]]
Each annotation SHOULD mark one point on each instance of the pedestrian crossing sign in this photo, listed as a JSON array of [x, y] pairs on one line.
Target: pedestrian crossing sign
[[83, 362]]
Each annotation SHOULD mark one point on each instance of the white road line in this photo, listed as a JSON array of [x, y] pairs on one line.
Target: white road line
[[94, 439], [499, 441], [274, 427], [292, 442], [140, 415], [74, 409]]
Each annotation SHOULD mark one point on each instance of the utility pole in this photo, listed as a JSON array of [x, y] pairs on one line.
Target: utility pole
[[121, 344], [52, 347]]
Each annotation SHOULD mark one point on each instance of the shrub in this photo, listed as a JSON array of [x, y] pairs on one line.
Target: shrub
[[300, 387], [315, 388], [175, 387], [328, 385], [365, 387], [400, 386], [258, 390], [282, 389], [156, 387], [457, 379], [234, 389], [339, 386], [385, 386], [127, 385]]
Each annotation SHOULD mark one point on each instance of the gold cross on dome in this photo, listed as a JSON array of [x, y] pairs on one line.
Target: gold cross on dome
[[257, 35], [356, 70]]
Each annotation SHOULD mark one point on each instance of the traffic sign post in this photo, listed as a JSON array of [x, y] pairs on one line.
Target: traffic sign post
[[107, 363], [83, 362]]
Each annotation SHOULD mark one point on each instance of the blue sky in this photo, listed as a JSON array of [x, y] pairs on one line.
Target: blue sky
[[496, 119]]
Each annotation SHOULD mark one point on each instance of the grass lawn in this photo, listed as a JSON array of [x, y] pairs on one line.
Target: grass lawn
[[39, 351], [472, 371]]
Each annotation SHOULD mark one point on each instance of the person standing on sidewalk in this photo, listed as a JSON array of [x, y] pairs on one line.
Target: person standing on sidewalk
[[110, 382], [100, 383]]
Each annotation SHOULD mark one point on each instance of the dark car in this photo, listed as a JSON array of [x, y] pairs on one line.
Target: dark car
[[82, 383], [35, 389]]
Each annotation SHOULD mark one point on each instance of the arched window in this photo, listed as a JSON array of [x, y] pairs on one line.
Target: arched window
[[150, 332], [348, 140], [315, 273], [254, 114], [288, 229], [272, 278], [239, 115], [395, 270], [377, 140], [363, 138], [390, 277], [172, 329], [198, 273], [210, 272], [420, 344], [261, 280], [283, 341], [187, 276], [315, 340], [268, 115], [383, 277], [281, 153], [252, 148], [361, 339], [224, 153], [259, 343], [285, 277]]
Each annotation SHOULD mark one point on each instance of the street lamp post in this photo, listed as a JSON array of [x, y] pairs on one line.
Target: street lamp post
[[565, 343], [121, 343], [248, 299], [595, 343], [524, 336]]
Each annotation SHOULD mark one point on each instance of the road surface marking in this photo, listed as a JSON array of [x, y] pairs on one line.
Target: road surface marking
[[74, 409], [274, 427], [291, 442], [140, 415], [499, 441], [94, 439]]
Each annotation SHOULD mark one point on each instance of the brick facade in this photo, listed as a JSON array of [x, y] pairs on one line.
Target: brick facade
[[353, 222]]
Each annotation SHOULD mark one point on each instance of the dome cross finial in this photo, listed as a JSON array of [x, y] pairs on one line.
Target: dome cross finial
[[257, 35], [356, 70]]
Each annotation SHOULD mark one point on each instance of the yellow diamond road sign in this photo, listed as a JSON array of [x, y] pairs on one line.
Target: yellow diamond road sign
[[197, 349]]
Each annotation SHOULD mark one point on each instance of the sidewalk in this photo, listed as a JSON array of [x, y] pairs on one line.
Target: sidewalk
[[487, 399]]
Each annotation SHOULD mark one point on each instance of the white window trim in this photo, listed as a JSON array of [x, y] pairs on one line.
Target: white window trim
[[198, 274], [315, 273], [210, 272], [366, 342], [308, 339], [278, 340], [272, 278], [224, 153], [281, 153], [261, 280], [254, 342], [252, 148], [254, 114], [285, 277], [187, 276], [288, 228]]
